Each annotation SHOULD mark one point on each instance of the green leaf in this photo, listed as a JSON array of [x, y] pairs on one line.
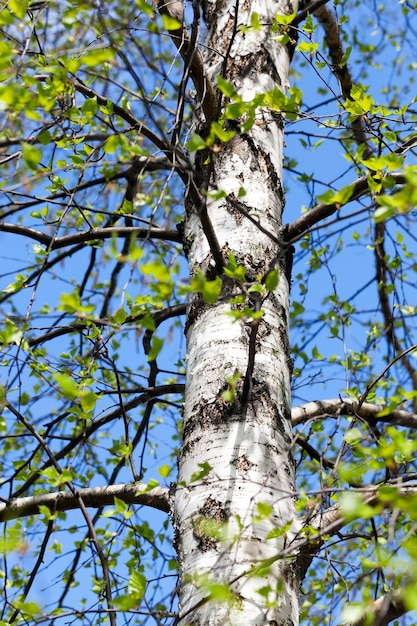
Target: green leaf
[[152, 483], [362, 103], [382, 214], [264, 510], [220, 592], [89, 107], [217, 195], [137, 584], [112, 144], [6, 18], [13, 333], [256, 288], [345, 56], [88, 400], [316, 354], [145, 7], [56, 478], [217, 131], [165, 470], [31, 156], [233, 270], [108, 109], [156, 346], [122, 508], [126, 208], [209, 289], [284, 20], [44, 137], [353, 507], [71, 303], [47, 513], [97, 57], [225, 87], [276, 100], [18, 7], [254, 21], [389, 161], [196, 143], [127, 602], [170, 23], [307, 47], [337, 197], [309, 26], [20, 283], [279, 531], [271, 280], [120, 316], [205, 469], [353, 436], [67, 386], [354, 612], [157, 270]]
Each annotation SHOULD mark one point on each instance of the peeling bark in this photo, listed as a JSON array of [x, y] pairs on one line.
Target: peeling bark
[[234, 506]]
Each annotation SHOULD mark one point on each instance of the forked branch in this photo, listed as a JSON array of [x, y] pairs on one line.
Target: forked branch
[[205, 91]]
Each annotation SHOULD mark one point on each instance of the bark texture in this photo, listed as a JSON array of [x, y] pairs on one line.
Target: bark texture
[[234, 505]]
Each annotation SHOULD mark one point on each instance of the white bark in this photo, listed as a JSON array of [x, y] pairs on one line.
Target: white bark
[[245, 448]]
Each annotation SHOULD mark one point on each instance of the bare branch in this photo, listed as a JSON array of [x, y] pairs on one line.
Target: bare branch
[[148, 395], [125, 115], [313, 453], [318, 213], [94, 234], [35, 569], [329, 23], [328, 523], [349, 406], [158, 316], [305, 8], [382, 276], [191, 57], [177, 158], [94, 497], [92, 531], [383, 611]]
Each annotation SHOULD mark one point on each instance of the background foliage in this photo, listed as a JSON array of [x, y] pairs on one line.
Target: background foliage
[[96, 114]]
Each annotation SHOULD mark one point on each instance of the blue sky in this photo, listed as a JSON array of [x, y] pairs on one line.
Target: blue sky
[[347, 266]]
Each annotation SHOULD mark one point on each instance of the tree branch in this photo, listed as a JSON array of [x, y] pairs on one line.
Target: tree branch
[[80, 504], [177, 158], [149, 395], [349, 406], [383, 611], [305, 8], [318, 213], [94, 234], [158, 316], [192, 58], [340, 69], [94, 497], [387, 309], [324, 524]]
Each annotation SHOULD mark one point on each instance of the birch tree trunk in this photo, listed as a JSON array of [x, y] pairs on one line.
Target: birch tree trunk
[[234, 505]]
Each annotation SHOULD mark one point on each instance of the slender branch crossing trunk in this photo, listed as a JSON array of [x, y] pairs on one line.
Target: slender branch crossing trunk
[[234, 505]]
